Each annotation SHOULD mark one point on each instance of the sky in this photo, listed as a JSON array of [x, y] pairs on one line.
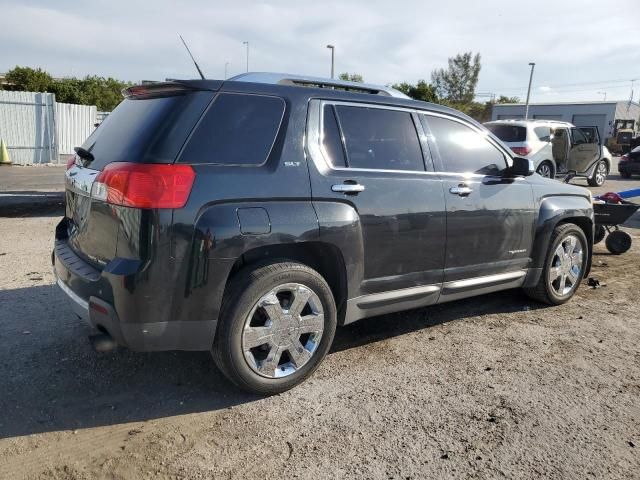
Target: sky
[[582, 49]]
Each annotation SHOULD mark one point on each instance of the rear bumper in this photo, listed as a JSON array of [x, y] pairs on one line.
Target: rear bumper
[[92, 295]]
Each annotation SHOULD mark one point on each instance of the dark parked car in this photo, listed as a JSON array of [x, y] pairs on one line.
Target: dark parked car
[[629, 163], [252, 217]]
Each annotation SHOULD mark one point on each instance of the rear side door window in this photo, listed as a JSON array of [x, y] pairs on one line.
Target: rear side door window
[[543, 133], [463, 149], [374, 138], [237, 129]]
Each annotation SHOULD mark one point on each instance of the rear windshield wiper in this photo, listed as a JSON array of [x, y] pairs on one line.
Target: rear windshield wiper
[[84, 154]]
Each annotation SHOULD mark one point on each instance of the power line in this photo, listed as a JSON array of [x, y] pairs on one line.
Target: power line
[[576, 84]]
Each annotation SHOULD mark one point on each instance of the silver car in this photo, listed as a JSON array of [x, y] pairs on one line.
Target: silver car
[[556, 148]]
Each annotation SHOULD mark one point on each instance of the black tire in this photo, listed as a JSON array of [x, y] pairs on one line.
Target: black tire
[[544, 291], [599, 176], [618, 242], [599, 234], [541, 169], [240, 298], [625, 174]]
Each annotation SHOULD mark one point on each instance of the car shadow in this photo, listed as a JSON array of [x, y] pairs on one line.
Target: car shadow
[[53, 380], [25, 203]]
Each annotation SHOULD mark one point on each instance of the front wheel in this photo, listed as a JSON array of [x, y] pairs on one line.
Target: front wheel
[[277, 323], [599, 175], [564, 266]]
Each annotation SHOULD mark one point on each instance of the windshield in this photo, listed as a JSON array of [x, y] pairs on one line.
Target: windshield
[[508, 133]]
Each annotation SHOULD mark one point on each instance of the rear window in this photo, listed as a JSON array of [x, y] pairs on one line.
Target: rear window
[[236, 130], [151, 130], [508, 133]]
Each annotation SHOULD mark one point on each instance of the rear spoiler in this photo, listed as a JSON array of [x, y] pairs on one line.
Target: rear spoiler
[[170, 88]]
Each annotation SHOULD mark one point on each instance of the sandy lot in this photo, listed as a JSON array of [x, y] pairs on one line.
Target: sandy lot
[[491, 387]]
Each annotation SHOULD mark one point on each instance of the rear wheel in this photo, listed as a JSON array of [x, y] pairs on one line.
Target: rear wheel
[[599, 174], [277, 323], [545, 169], [625, 174], [618, 242], [564, 266]]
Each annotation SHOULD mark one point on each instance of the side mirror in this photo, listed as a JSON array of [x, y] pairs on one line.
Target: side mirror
[[521, 167]]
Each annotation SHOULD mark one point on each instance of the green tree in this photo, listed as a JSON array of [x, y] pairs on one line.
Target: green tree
[[351, 77], [28, 79], [457, 83], [504, 99], [420, 91], [69, 90]]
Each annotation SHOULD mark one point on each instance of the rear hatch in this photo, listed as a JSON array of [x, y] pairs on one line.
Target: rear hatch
[[139, 141], [513, 136]]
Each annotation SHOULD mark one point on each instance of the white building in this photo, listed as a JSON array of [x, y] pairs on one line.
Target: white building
[[581, 114]]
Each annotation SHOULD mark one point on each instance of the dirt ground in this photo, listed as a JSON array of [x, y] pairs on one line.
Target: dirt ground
[[491, 387]]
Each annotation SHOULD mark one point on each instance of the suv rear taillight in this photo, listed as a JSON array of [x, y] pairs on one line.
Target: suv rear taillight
[[144, 185], [71, 162], [624, 158], [522, 151]]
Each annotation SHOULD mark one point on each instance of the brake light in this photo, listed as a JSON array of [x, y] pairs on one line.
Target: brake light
[[624, 158], [144, 185], [521, 151], [71, 162]]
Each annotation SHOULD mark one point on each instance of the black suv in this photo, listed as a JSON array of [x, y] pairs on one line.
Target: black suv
[[251, 217]]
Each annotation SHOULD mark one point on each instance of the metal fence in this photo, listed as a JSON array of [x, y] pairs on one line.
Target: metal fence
[[37, 129]]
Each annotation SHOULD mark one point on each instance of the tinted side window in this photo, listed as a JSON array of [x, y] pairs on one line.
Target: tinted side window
[[331, 140], [463, 150], [236, 130], [543, 133], [380, 139], [578, 137]]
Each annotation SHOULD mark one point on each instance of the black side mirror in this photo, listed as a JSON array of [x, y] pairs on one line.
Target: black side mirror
[[521, 167]]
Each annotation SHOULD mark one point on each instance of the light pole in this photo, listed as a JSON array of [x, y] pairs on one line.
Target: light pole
[[247, 44], [604, 99], [526, 108], [333, 49], [226, 65]]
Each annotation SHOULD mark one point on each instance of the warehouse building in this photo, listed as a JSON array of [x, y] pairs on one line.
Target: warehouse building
[[581, 114]]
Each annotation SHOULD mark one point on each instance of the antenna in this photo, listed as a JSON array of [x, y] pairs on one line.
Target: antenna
[[194, 60]]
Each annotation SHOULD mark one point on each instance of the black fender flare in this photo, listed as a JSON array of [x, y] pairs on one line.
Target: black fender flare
[[553, 211]]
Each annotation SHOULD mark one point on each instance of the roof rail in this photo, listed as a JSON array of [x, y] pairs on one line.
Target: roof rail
[[318, 82]]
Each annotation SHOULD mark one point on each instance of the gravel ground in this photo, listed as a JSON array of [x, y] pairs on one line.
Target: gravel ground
[[491, 387]]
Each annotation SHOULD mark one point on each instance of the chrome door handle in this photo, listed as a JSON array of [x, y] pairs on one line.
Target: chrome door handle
[[461, 190], [347, 188]]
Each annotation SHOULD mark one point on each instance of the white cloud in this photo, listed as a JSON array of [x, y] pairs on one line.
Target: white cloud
[[386, 43]]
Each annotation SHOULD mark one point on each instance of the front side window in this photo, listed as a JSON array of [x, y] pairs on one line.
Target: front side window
[[464, 150], [381, 139], [236, 130], [578, 137]]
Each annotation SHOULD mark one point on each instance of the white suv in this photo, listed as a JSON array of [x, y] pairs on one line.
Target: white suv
[[556, 147]]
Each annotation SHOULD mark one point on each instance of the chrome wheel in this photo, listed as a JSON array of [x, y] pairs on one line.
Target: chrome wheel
[[544, 170], [566, 266], [601, 173], [283, 330]]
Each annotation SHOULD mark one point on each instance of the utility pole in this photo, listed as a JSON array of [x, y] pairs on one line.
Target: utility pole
[[526, 108], [226, 65], [247, 44], [333, 49], [604, 94]]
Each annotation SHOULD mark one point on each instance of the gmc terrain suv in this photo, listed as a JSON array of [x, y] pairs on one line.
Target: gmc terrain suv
[[556, 147], [251, 217]]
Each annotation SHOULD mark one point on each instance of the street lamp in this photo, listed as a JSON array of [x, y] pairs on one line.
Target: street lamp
[[247, 44], [226, 65], [604, 99], [333, 49], [526, 108]]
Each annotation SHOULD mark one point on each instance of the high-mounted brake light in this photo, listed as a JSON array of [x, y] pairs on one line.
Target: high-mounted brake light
[[144, 185], [522, 151]]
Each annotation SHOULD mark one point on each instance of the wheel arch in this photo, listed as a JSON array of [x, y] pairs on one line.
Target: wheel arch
[[555, 211], [323, 257]]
